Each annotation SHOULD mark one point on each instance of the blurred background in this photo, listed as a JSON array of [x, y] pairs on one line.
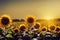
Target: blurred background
[[41, 9]]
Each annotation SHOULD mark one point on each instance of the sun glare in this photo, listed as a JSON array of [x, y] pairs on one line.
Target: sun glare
[[48, 18]]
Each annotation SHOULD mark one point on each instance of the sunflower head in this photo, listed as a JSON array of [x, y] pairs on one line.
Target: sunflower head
[[58, 29], [16, 30], [30, 20], [5, 21], [52, 28], [22, 27], [37, 25], [44, 28]]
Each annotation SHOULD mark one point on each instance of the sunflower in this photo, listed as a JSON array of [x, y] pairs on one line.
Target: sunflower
[[30, 20], [52, 28], [37, 26], [23, 27], [5, 21], [57, 28], [44, 28], [16, 30]]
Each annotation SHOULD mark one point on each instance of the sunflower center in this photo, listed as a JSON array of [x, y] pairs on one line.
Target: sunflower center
[[5, 21], [37, 26], [30, 20], [22, 28]]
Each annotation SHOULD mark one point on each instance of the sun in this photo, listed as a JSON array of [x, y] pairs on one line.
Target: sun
[[48, 18]]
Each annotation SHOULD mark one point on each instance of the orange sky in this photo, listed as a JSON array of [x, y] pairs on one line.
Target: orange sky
[[40, 9]]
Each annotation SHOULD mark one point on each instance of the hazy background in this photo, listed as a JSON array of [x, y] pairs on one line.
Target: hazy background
[[40, 9]]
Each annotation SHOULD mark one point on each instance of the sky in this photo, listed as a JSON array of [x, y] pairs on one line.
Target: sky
[[41, 9]]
